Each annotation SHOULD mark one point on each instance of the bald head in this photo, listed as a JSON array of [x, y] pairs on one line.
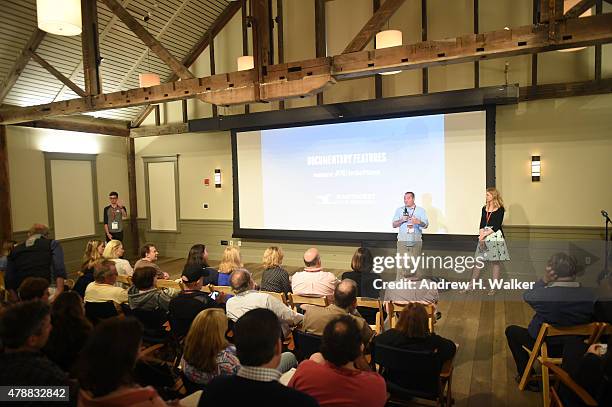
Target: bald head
[[312, 258], [345, 294], [241, 280]]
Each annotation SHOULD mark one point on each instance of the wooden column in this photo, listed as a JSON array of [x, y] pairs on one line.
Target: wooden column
[[157, 115], [476, 64], [320, 37], [534, 57], [281, 41], [131, 156], [184, 109], [245, 38], [424, 38], [6, 220], [211, 51], [378, 89], [91, 49], [598, 10], [260, 14]]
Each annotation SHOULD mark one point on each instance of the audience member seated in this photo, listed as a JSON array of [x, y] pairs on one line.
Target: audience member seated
[[275, 278], [191, 301], [34, 288], [557, 299], [38, 256], [313, 280], [148, 258], [103, 288], [416, 294], [198, 255], [591, 368], [339, 376], [145, 295], [105, 368], [257, 335], [362, 264], [24, 330], [247, 298], [412, 333], [229, 262], [113, 251], [70, 330], [345, 302], [92, 256], [207, 353]]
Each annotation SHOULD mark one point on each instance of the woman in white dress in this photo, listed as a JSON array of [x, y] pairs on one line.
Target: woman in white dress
[[113, 251]]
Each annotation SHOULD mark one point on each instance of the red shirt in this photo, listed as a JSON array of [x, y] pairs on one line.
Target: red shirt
[[339, 387]]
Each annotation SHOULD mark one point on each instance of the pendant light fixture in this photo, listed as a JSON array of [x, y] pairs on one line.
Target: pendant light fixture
[[61, 17]]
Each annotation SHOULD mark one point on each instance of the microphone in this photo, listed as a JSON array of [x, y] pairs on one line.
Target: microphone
[[406, 211], [604, 213]]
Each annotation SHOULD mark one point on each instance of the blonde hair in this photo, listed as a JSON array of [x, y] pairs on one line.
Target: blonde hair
[[230, 260], [91, 255], [497, 199], [206, 338], [110, 251], [272, 257]]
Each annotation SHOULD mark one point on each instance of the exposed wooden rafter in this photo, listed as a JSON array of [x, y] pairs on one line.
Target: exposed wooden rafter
[[374, 25], [196, 50], [21, 62], [148, 131], [579, 8], [40, 61], [562, 90], [308, 77], [84, 124]]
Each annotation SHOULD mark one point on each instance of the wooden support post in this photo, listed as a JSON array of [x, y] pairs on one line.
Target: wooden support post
[[245, 38], [211, 51], [260, 21], [378, 86], [598, 10], [320, 37], [6, 219], [425, 71], [281, 41], [157, 115], [91, 48], [19, 65], [534, 57], [477, 63], [184, 109], [76, 89], [131, 156]]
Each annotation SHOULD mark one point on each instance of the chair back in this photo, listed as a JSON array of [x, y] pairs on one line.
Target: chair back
[[225, 289], [365, 304], [306, 344], [123, 279], [295, 300], [394, 309], [278, 296], [605, 329], [153, 322], [97, 311], [409, 373], [169, 284]]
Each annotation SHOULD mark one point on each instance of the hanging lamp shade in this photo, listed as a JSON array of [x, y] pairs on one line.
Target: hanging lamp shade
[[386, 39], [567, 5], [61, 17], [148, 79], [245, 63]]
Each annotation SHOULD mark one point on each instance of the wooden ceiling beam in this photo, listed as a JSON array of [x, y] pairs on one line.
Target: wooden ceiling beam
[[84, 124], [21, 62], [308, 77], [148, 131], [197, 50], [374, 25], [563, 90], [40, 61], [579, 8]]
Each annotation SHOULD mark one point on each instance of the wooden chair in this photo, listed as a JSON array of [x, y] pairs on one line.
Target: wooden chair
[[376, 304], [563, 377], [605, 329], [393, 310], [123, 279], [225, 289], [295, 300], [169, 284], [306, 344], [279, 296], [98, 311], [540, 352]]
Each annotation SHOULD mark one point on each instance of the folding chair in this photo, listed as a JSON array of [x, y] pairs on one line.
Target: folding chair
[[306, 344], [296, 300], [225, 289], [169, 284], [414, 374], [127, 280], [98, 311], [279, 296], [563, 377], [373, 303], [393, 308], [540, 352], [605, 329]]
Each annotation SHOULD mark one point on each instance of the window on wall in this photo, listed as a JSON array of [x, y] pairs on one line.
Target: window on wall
[[161, 189], [71, 194]]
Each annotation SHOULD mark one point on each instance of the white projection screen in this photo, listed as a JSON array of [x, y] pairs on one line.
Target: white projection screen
[[351, 177]]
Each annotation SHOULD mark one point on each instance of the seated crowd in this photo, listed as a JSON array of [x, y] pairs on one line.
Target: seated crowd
[[239, 348]]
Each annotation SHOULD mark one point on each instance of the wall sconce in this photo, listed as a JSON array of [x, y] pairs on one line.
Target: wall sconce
[[217, 178], [536, 168]]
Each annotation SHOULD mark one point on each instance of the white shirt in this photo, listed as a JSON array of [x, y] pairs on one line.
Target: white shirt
[[96, 292], [124, 268], [321, 283], [243, 302]]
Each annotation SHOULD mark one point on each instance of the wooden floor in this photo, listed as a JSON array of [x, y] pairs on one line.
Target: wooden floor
[[484, 368]]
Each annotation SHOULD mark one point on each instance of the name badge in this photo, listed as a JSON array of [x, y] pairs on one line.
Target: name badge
[[115, 225]]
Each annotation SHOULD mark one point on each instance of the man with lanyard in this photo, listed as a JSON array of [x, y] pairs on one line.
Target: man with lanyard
[[411, 220], [113, 218]]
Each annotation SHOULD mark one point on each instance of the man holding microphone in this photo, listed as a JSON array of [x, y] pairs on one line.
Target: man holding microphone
[[411, 220]]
